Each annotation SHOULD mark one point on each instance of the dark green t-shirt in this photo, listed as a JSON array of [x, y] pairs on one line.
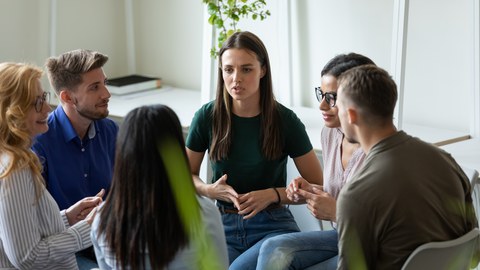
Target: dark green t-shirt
[[246, 167]]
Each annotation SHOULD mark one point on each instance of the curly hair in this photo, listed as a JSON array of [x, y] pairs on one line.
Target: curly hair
[[18, 90]]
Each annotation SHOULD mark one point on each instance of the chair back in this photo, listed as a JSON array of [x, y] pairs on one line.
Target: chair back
[[446, 255], [475, 182]]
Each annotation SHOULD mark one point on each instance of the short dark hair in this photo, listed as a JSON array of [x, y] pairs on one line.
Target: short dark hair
[[371, 89], [343, 62], [65, 71]]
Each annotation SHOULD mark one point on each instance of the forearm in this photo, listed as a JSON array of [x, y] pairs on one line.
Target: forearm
[[200, 186], [284, 198]]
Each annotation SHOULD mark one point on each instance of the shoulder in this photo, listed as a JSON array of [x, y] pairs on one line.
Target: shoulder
[[204, 113], [206, 108], [108, 125], [285, 112], [19, 181], [288, 116]]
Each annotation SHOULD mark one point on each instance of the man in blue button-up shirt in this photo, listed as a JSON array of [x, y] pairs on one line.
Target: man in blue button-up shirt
[[78, 150]]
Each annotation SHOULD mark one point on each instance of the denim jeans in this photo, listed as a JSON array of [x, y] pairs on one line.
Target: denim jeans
[[298, 250], [85, 263], [245, 236]]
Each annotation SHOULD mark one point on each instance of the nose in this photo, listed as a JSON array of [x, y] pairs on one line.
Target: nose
[[46, 107], [107, 93], [324, 106], [236, 76]]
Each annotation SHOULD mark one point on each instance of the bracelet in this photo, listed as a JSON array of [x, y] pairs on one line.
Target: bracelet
[[278, 196]]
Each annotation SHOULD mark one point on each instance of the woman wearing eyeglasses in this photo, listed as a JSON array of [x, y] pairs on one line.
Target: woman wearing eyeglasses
[[34, 233], [341, 159]]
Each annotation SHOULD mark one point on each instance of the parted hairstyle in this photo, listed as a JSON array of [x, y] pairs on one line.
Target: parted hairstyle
[[372, 90], [19, 85], [140, 213], [343, 62], [271, 136], [65, 71]]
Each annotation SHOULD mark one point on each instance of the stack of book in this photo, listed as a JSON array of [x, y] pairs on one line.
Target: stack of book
[[132, 83]]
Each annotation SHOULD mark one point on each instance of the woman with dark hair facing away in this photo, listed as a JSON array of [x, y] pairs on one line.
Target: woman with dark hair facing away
[[341, 159], [140, 224], [34, 233], [249, 136]]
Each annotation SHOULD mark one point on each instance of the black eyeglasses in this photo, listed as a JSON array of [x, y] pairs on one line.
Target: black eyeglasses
[[330, 97], [40, 100]]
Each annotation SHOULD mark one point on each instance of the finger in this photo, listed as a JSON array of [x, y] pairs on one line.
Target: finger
[[101, 193], [250, 215], [235, 202], [291, 186], [296, 183], [305, 194], [317, 190], [222, 180], [85, 211], [231, 191]]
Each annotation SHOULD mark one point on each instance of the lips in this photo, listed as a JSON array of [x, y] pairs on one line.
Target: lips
[[328, 117], [42, 121]]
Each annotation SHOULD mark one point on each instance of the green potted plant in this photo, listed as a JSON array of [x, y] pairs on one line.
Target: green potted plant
[[225, 15]]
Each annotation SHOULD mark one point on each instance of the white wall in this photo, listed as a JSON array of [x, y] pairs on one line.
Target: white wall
[[439, 74], [23, 26], [301, 36], [169, 40], [168, 35]]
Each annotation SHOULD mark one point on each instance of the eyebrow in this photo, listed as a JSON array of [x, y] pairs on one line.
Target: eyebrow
[[246, 65], [93, 84]]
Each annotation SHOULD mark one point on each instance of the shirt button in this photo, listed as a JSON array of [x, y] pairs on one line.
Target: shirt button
[[85, 175], [83, 149]]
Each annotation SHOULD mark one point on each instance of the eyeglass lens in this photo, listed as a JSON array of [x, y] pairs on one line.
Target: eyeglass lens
[[41, 100], [330, 98]]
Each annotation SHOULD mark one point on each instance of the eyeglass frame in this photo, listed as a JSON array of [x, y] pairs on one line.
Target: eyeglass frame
[[328, 96], [40, 100]]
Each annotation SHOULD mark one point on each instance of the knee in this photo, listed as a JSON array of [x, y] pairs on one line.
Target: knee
[[269, 244]]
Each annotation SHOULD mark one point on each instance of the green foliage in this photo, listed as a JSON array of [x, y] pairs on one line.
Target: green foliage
[[185, 197], [225, 15]]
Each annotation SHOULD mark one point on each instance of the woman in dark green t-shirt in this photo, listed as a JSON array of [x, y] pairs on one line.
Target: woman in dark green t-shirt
[[249, 136]]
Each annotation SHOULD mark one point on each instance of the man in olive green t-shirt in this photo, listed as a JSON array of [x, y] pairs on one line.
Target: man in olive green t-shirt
[[407, 193]]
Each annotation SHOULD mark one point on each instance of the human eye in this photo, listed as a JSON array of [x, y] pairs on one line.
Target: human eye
[[247, 69], [94, 87], [228, 70]]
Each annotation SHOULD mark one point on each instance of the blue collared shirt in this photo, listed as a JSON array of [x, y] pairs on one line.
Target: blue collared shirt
[[73, 168]]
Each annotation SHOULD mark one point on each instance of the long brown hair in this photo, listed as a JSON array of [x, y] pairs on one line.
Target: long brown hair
[[271, 136], [19, 84]]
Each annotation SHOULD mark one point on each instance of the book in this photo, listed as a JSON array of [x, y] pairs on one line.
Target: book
[[132, 83]]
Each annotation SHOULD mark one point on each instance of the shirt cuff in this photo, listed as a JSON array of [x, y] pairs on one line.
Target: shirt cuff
[[63, 213], [82, 231]]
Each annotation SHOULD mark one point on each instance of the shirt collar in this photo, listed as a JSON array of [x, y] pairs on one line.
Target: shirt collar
[[68, 131]]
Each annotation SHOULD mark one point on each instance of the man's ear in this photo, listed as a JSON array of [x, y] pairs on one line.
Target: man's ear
[[352, 116], [65, 96]]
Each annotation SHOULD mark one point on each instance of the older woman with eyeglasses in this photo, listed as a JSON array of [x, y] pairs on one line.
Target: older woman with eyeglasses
[[341, 159], [34, 233]]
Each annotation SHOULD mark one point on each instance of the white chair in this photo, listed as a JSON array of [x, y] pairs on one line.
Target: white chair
[[454, 254], [475, 182]]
